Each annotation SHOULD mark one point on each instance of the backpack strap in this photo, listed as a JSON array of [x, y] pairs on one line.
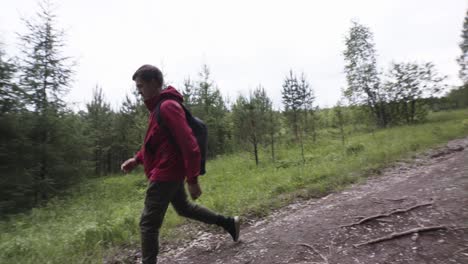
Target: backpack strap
[[159, 119], [157, 111]]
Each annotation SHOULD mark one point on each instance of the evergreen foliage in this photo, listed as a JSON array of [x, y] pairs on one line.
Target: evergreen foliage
[[41, 139], [456, 98], [100, 137], [292, 101], [10, 94], [463, 59], [205, 102], [252, 120]]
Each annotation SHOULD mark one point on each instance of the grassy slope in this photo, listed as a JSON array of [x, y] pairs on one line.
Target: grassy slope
[[105, 212]]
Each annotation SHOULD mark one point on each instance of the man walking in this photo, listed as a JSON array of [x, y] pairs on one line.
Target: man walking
[[170, 156]]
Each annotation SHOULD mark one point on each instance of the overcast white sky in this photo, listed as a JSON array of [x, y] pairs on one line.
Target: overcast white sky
[[244, 42]]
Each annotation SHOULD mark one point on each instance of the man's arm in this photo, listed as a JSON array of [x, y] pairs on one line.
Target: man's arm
[[139, 157], [173, 115]]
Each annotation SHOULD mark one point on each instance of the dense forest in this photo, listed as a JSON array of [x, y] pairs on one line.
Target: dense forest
[[45, 147]]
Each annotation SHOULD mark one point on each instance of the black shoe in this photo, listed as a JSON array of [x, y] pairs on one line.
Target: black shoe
[[233, 227]]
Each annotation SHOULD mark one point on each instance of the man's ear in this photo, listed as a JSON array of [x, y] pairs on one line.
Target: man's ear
[[156, 85]]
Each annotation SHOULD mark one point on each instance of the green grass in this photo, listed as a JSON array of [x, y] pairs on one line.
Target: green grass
[[104, 213]]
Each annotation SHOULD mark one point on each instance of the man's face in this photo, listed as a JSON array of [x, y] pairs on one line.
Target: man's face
[[147, 89]]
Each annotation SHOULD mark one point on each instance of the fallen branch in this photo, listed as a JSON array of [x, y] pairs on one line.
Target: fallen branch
[[386, 215], [405, 233], [461, 250], [459, 228], [315, 250]]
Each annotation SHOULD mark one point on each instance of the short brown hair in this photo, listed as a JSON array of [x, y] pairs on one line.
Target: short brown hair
[[149, 72]]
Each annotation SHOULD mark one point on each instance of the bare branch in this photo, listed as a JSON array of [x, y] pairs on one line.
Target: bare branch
[[386, 215], [400, 234]]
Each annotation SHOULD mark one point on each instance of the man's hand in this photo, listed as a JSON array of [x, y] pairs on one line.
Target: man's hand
[[129, 165], [194, 190]]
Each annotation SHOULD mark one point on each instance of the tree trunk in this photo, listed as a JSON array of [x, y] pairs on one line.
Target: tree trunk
[[302, 148], [272, 136], [255, 146], [295, 125], [406, 112]]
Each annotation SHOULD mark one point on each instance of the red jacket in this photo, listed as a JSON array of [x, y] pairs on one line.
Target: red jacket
[[170, 152]]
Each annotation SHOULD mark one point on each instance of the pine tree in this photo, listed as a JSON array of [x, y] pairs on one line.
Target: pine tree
[[361, 72], [463, 59], [46, 73], [10, 94], [99, 119], [208, 105], [293, 101], [15, 150], [308, 109], [251, 119], [188, 93], [45, 78]]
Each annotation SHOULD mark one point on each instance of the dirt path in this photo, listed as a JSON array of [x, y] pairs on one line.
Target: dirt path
[[310, 231]]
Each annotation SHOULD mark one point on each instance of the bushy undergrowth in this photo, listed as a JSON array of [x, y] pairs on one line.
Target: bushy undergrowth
[[104, 212]]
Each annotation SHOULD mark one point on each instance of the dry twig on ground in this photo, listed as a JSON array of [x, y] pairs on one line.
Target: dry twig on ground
[[400, 234], [397, 211], [460, 250]]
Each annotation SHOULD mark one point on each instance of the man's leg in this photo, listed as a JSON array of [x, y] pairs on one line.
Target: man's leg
[[194, 211], [158, 196]]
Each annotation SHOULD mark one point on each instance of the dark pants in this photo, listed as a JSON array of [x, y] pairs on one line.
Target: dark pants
[[158, 197]]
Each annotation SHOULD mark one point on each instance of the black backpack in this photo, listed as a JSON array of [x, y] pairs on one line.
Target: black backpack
[[199, 130]]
